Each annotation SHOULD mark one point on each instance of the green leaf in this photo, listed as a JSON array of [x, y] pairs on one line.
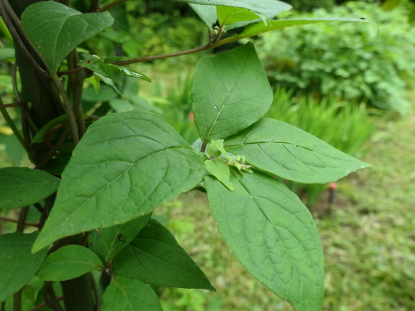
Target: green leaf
[[17, 264], [230, 92], [109, 70], [260, 27], [22, 186], [56, 29], [216, 148], [130, 295], [273, 235], [125, 166], [220, 170], [155, 257], [264, 7], [108, 242], [69, 262], [6, 54], [284, 150], [207, 13]]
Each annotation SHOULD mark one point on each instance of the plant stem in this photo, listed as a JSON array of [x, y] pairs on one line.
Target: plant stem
[[77, 96], [33, 224], [94, 7], [14, 82], [68, 109], [112, 4], [44, 304], [10, 122], [18, 104]]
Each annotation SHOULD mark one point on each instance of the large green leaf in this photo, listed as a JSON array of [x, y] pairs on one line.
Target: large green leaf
[[260, 27], [69, 262], [130, 295], [125, 166], [108, 242], [155, 257], [56, 29], [21, 186], [285, 150], [17, 264], [230, 92], [273, 235]]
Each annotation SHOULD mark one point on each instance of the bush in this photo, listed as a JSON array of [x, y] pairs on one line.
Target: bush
[[348, 60]]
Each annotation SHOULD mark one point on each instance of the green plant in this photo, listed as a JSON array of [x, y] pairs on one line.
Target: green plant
[[371, 63], [344, 125], [113, 171]]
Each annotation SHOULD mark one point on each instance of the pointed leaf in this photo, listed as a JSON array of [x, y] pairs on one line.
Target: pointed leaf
[[273, 235], [109, 70], [156, 258], [108, 242], [230, 92], [220, 170], [260, 27], [130, 295], [69, 262], [125, 166], [56, 29], [285, 150], [22, 186], [17, 264], [207, 13]]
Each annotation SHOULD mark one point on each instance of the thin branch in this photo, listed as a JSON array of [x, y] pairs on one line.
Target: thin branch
[[110, 5], [42, 163], [18, 104], [96, 293], [94, 7], [22, 219], [10, 122], [47, 141], [77, 95], [33, 224], [44, 304], [38, 207], [68, 109], [14, 82]]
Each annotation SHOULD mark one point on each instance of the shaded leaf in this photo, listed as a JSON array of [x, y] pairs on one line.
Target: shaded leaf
[[285, 150], [273, 235], [17, 264], [108, 242], [55, 29], [69, 262], [22, 186], [155, 257], [109, 70], [125, 166], [130, 295], [230, 92]]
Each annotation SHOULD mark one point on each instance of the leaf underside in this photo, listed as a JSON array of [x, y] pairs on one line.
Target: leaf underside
[[125, 166], [289, 152], [273, 235]]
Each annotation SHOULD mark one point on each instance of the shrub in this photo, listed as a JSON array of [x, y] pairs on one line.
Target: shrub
[[344, 59]]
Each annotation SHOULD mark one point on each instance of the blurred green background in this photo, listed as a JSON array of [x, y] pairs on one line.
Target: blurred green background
[[350, 84]]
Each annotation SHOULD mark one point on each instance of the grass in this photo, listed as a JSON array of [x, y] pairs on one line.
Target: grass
[[368, 239]]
